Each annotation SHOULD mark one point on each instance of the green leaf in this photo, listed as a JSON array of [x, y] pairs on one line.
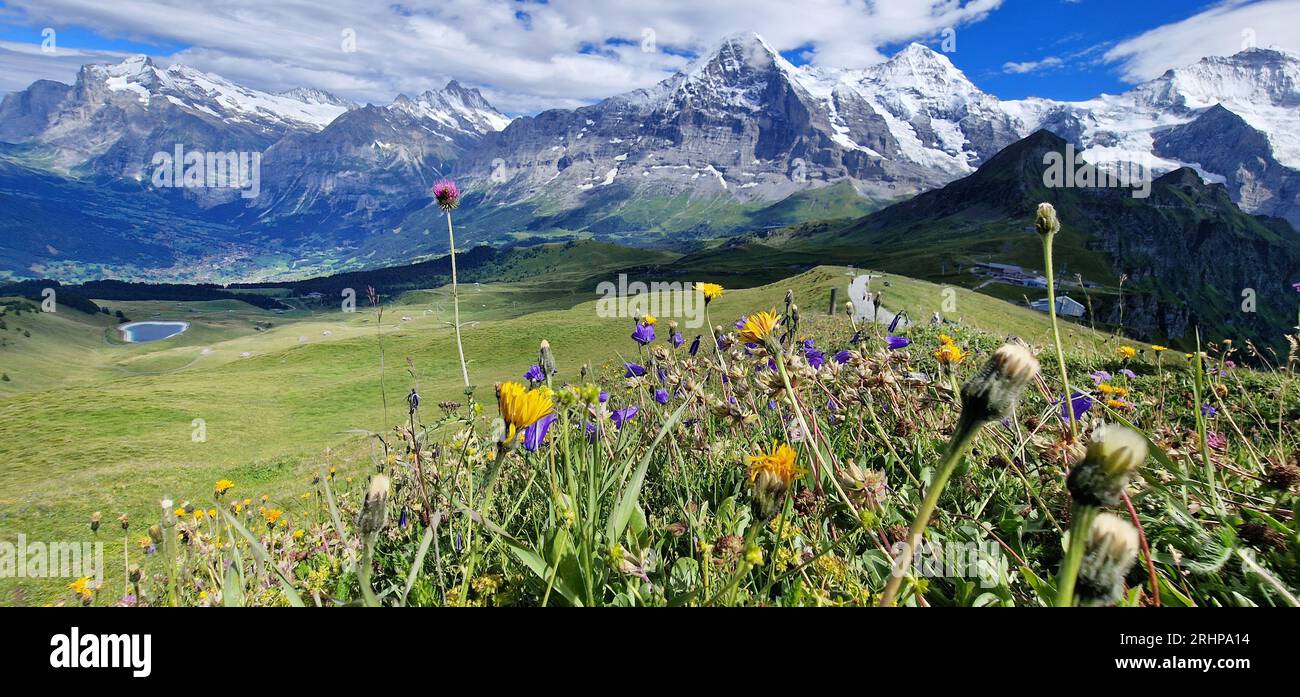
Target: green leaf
[[623, 511], [261, 556]]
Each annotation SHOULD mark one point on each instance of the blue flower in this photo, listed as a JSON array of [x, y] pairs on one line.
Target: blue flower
[[842, 357], [634, 370], [644, 334], [808, 344], [1128, 374], [1100, 376], [534, 374], [622, 416], [695, 345], [535, 434], [677, 339], [1080, 403], [1207, 410], [604, 396], [816, 358], [661, 396], [740, 323], [897, 342]]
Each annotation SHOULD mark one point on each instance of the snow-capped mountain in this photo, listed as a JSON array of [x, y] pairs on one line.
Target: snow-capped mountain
[[738, 131], [114, 117], [372, 162], [743, 123]]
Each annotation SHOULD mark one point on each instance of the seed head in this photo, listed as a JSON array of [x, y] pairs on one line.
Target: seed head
[[992, 393], [1111, 551], [374, 512], [1114, 454], [1046, 222]]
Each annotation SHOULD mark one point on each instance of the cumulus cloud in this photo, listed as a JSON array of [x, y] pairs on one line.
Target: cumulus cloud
[[1223, 29], [525, 56]]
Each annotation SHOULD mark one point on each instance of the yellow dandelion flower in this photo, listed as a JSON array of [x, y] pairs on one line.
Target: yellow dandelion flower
[[711, 291], [212, 513], [780, 463], [297, 534], [198, 514], [1158, 348], [950, 354], [224, 485], [521, 407], [81, 586], [179, 512], [1106, 388], [945, 340], [1117, 404], [1126, 352], [649, 319], [759, 326], [273, 516]]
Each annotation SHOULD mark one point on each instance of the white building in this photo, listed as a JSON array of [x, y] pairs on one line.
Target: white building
[[1065, 306]]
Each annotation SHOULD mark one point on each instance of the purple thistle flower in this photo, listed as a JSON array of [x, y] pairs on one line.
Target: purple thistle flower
[[1128, 374], [534, 374], [661, 396], [644, 334], [622, 416], [842, 357], [447, 194], [677, 339], [634, 370], [897, 342], [695, 345], [535, 434], [816, 358], [1100, 376], [1080, 403]]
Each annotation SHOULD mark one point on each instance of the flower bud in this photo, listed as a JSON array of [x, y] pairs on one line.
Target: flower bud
[[374, 512], [168, 513], [1112, 549], [991, 393], [95, 518], [1114, 453], [1046, 223]]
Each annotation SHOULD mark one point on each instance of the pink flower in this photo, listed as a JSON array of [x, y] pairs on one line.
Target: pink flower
[[447, 194], [1214, 440]]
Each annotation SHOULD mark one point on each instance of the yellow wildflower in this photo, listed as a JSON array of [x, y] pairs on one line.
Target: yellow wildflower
[[224, 485], [81, 586], [759, 326], [950, 354], [945, 339], [711, 291], [273, 516], [297, 534], [779, 462], [1126, 352], [1158, 348], [521, 407], [649, 319]]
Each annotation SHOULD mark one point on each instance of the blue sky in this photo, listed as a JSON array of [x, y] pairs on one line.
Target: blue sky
[[527, 55]]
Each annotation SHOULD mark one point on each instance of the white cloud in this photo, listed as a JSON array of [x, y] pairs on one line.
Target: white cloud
[[1031, 66], [24, 63], [526, 56], [1222, 30]]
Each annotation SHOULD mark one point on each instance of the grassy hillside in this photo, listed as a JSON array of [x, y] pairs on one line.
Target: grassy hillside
[[116, 432]]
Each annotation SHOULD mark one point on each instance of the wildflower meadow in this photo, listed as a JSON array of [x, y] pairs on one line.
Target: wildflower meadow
[[782, 457]]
